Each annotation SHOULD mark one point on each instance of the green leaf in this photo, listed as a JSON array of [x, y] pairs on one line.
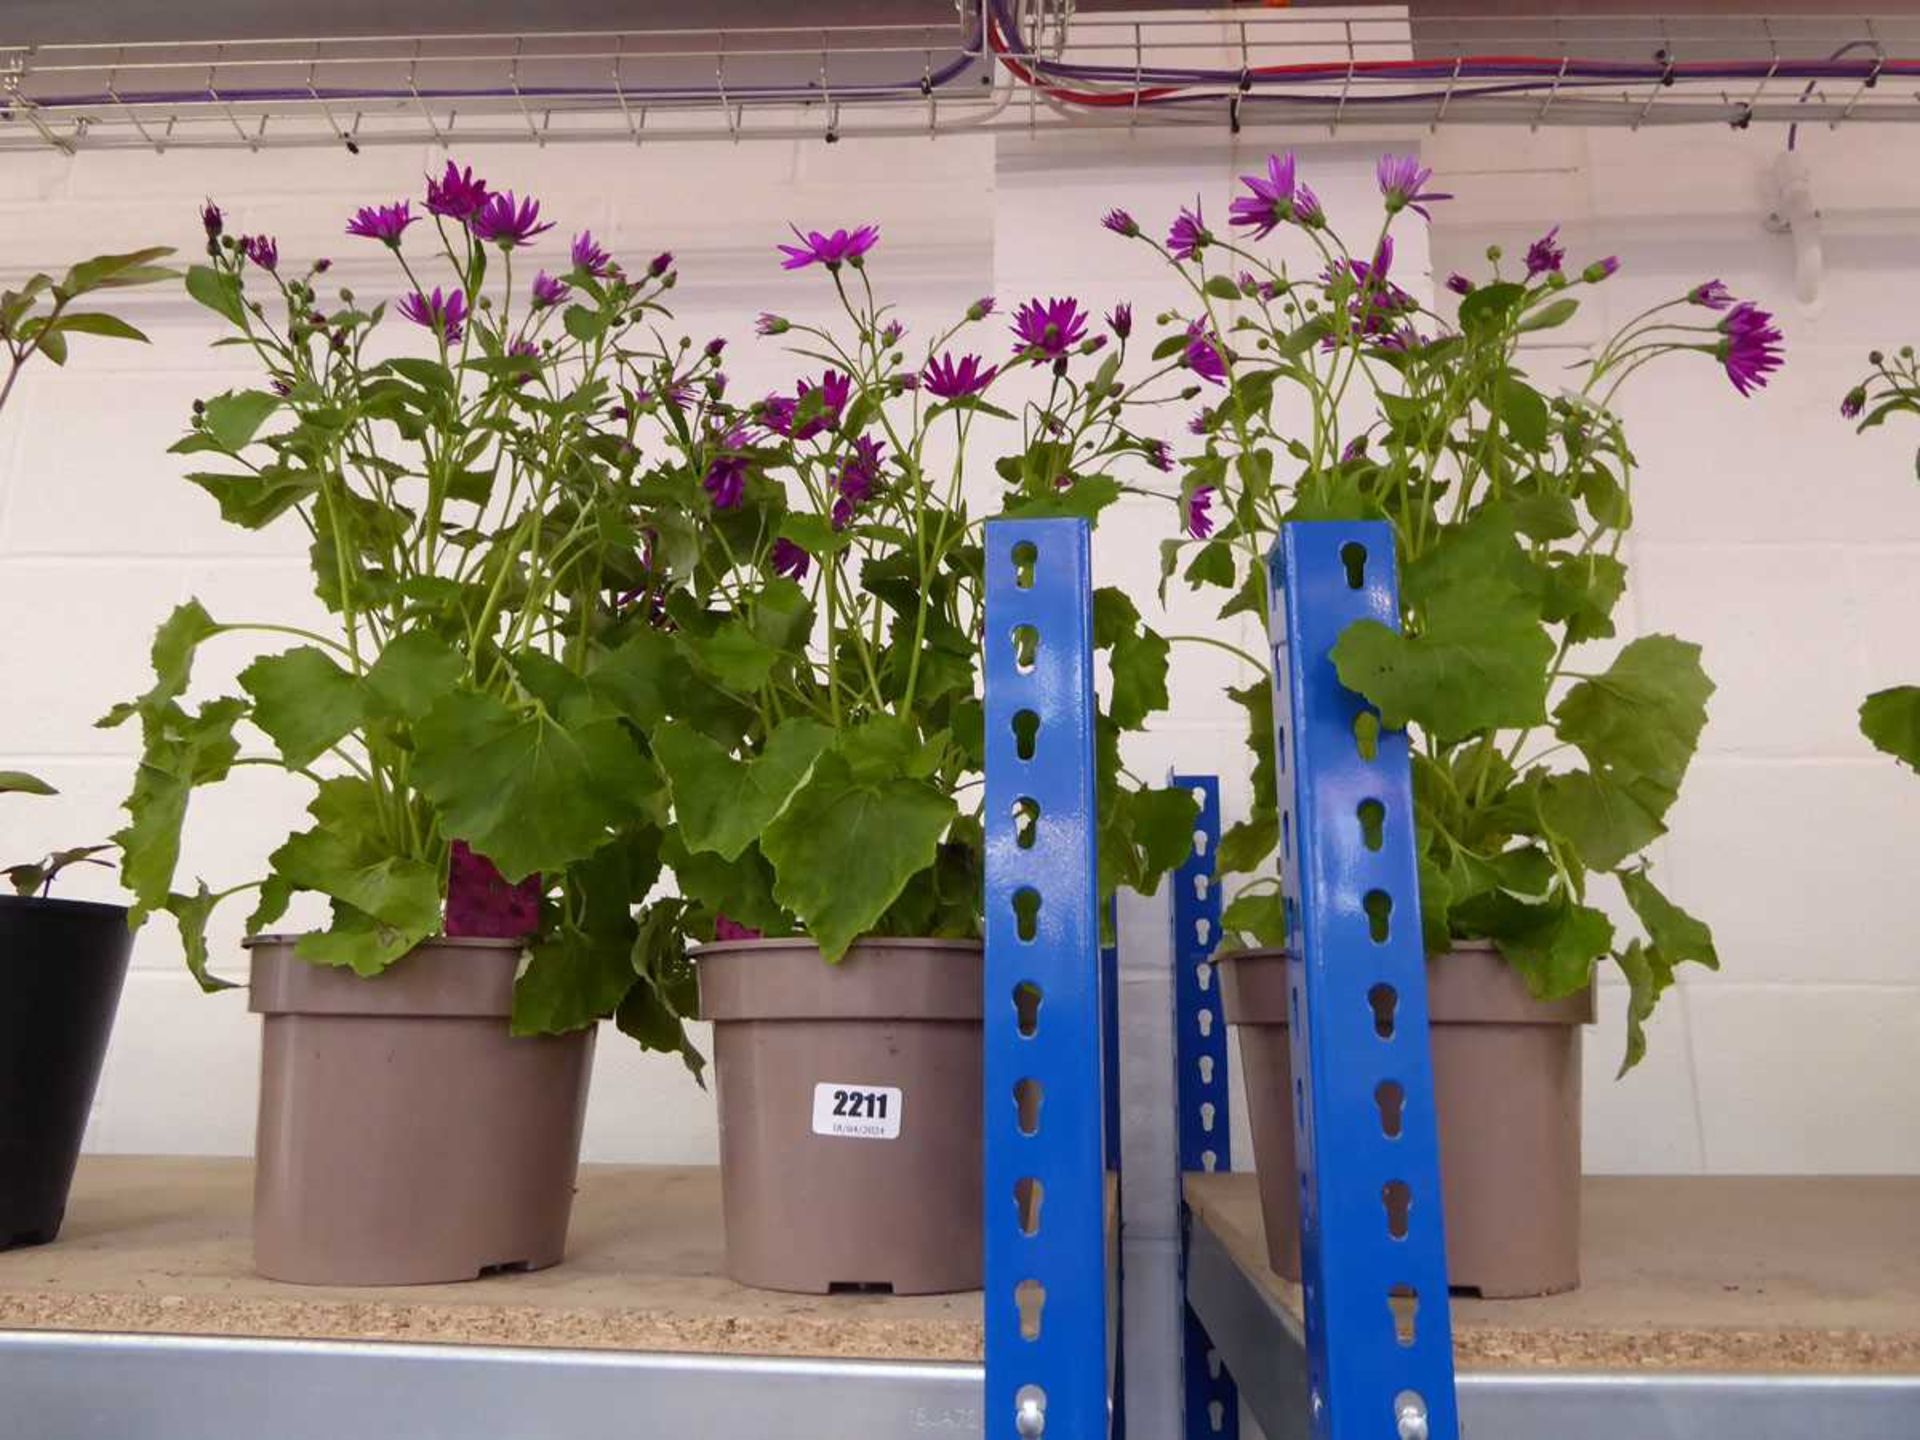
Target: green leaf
[[1160, 822], [94, 322], [1212, 565], [1245, 847], [1223, 287], [581, 969], [395, 890], [1550, 316], [1523, 410], [233, 419], [1544, 517], [1604, 821], [174, 646], [733, 655], [655, 1010], [527, 792], [583, 324], [218, 291], [723, 804], [741, 889], [304, 701], [1678, 936], [255, 501], [1479, 663], [181, 751], [1259, 915], [1641, 719], [19, 782], [1489, 307], [1891, 720], [191, 914], [892, 826], [1553, 946], [1647, 976], [135, 267], [1582, 592], [1138, 662], [413, 672], [358, 942]]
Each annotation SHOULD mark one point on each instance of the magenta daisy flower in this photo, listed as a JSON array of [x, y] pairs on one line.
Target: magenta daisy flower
[[212, 221], [832, 251], [1189, 233], [457, 194], [524, 349], [1711, 294], [1306, 207], [824, 403], [1854, 403], [1602, 269], [445, 314], [859, 478], [1120, 320], [660, 264], [262, 250], [1751, 350], [589, 256], [1120, 223], [1271, 202], [726, 479], [382, 222], [771, 324], [1200, 513], [1546, 255], [507, 221], [950, 379], [1203, 355], [1402, 181], [1459, 284], [1049, 328], [547, 291], [789, 559], [1159, 456]]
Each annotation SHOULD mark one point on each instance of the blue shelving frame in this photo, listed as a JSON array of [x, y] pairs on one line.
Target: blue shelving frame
[[1046, 1307], [1372, 1239], [1202, 1113]]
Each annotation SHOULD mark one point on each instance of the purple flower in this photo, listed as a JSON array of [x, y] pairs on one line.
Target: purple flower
[[507, 221], [1603, 269], [1120, 320], [589, 256], [1546, 255], [982, 308], [280, 386], [1159, 456], [1356, 449], [1854, 403], [790, 560], [1306, 207], [892, 333], [382, 222], [1189, 233], [1120, 223], [1049, 327], [457, 194], [771, 324], [1201, 423], [213, 222], [1401, 180], [1751, 350], [1271, 202], [948, 379], [1200, 513], [715, 346], [548, 291], [262, 251], [832, 251], [660, 264], [726, 477], [524, 349], [446, 314], [1712, 294], [828, 399], [1459, 284], [1203, 355], [859, 477]]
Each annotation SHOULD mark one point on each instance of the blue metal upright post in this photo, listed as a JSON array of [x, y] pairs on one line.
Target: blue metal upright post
[[1372, 1240], [1045, 1213], [1200, 1088]]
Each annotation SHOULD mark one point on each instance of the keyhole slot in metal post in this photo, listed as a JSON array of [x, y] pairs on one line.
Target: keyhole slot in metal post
[[1026, 821], [1397, 1196], [1366, 735], [1024, 556], [1353, 555], [1026, 912], [1026, 648], [1028, 1095], [1026, 1008], [1373, 821], [1026, 729], [1385, 1001], [1031, 1298], [1379, 907], [1392, 1101], [1028, 1196], [1403, 1303]]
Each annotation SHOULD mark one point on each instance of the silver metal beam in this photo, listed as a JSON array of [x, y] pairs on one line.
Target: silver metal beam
[[139, 1387], [1262, 1345]]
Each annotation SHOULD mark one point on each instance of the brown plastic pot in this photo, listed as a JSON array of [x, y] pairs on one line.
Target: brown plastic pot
[[405, 1136], [1506, 1073], [885, 1194]]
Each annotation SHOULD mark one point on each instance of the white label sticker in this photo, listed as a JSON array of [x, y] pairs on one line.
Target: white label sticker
[[858, 1112]]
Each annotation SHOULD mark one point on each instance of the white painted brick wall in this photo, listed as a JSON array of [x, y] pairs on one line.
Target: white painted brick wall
[[1766, 532]]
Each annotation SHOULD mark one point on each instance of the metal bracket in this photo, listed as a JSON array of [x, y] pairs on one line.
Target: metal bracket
[[1205, 1138], [1372, 1238], [1045, 1211]]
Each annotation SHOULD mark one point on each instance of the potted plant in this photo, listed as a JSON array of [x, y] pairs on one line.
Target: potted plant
[[1545, 758], [824, 773], [472, 727], [62, 961], [1890, 718]]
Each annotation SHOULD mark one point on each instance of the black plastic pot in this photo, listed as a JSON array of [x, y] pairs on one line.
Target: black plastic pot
[[62, 963]]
